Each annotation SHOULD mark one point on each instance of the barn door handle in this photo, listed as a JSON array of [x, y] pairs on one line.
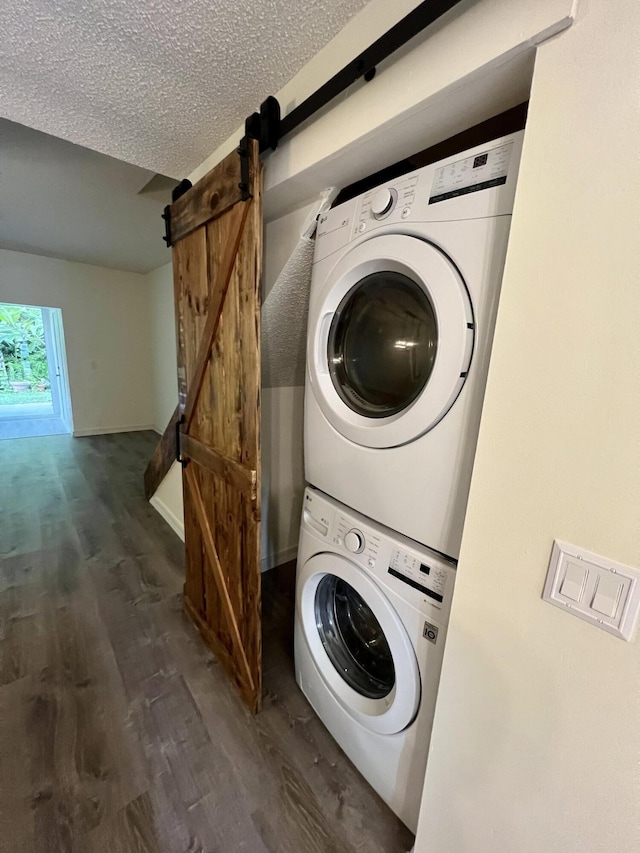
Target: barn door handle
[[179, 457]]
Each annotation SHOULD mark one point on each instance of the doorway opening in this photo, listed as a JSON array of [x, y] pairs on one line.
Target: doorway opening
[[34, 386]]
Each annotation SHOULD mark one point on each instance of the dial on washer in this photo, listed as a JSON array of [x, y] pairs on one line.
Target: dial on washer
[[354, 541], [382, 203]]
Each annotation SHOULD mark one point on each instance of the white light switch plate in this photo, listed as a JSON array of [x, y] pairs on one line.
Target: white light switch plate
[[596, 589]]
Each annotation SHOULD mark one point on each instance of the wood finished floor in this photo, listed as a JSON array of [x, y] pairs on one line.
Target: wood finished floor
[[118, 731]]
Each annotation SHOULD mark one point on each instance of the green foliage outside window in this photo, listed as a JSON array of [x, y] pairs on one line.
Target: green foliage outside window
[[22, 346]]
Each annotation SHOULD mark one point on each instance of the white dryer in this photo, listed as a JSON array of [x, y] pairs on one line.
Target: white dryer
[[372, 609], [404, 293]]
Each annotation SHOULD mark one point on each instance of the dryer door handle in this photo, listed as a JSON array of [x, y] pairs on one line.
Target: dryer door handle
[[322, 342]]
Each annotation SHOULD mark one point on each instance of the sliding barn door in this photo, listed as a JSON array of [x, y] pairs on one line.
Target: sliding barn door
[[216, 237]]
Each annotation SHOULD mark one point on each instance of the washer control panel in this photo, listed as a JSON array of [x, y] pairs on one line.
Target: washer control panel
[[428, 577], [355, 540], [379, 204], [419, 575], [472, 174]]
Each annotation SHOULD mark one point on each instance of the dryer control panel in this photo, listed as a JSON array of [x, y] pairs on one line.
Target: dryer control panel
[[420, 576], [474, 184]]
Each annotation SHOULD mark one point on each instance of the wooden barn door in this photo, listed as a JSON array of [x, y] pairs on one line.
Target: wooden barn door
[[216, 237]]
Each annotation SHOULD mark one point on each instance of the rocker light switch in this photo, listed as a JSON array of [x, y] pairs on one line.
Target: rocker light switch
[[574, 581], [607, 596], [598, 590]]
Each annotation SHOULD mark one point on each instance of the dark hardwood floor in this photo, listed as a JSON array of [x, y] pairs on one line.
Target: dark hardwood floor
[[118, 730]]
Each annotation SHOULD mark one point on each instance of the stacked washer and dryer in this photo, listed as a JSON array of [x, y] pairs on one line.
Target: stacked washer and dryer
[[404, 294]]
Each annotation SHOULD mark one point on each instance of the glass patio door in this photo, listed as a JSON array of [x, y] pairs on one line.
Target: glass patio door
[[34, 396], [53, 368]]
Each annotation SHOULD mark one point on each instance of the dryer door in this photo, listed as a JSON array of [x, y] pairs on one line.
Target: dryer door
[[390, 340], [358, 643]]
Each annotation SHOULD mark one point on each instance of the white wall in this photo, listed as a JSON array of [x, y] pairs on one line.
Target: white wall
[[168, 498], [283, 406], [282, 473], [163, 344], [536, 745], [106, 327]]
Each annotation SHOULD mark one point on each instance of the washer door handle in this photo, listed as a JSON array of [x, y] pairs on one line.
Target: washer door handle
[[321, 350]]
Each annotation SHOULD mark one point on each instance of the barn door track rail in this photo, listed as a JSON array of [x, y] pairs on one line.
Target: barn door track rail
[[268, 127]]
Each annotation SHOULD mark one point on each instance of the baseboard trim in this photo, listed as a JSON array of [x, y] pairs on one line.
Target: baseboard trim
[[270, 561], [175, 523], [81, 433]]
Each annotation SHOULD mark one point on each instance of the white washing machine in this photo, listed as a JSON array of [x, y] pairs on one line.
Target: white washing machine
[[372, 609], [404, 294]]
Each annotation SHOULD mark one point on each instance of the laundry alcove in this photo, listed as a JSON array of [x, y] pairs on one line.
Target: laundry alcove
[[308, 162]]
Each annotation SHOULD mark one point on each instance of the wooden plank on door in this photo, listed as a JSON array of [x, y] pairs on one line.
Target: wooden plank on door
[[242, 478], [191, 303], [211, 197]]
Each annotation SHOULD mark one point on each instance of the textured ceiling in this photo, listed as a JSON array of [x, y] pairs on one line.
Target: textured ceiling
[[64, 201], [157, 83]]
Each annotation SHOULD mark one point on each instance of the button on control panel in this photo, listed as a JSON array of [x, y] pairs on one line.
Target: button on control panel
[[407, 192], [341, 529]]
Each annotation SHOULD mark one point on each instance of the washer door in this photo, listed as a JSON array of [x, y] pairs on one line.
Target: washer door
[[358, 643], [391, 343]]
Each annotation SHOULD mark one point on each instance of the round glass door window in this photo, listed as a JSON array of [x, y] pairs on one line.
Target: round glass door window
[[382, 344], [353, 639]]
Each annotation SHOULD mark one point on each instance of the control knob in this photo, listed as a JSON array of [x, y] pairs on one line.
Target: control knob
[[354, 541], [382, 202]]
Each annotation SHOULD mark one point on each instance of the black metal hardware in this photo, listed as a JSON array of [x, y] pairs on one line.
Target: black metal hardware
[[180, 189], [365, 64], [269, 128], [265, 128], [265, 125], [243, 153], [179, 457], [166, 215]]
